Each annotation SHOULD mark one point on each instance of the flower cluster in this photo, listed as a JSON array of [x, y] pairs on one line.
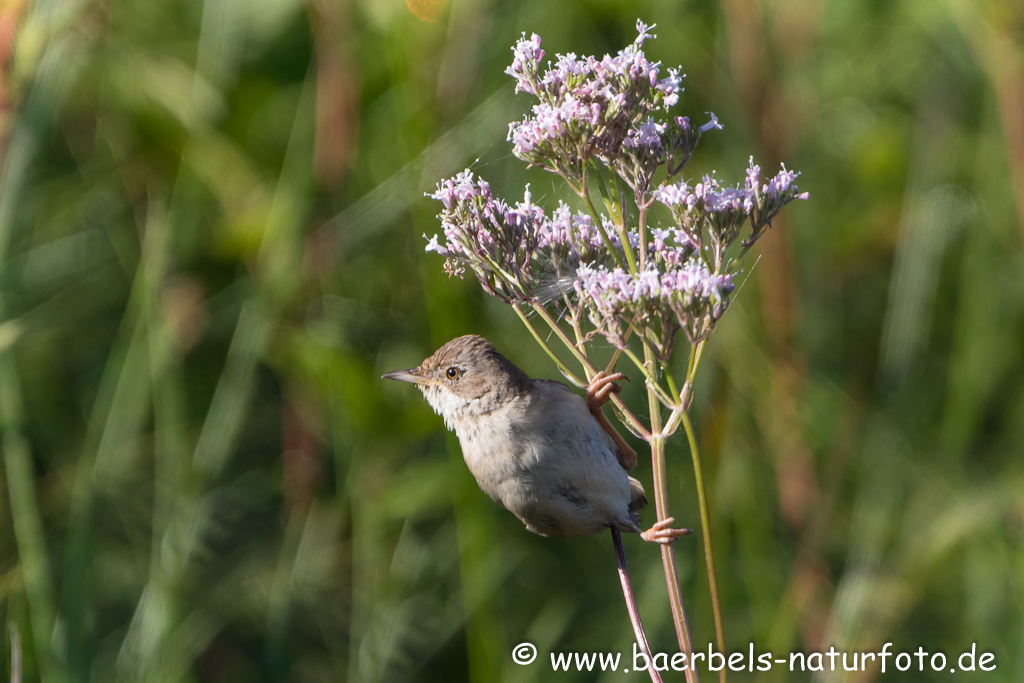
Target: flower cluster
[[494, 240], [654, 302], [649, 280], [512, 248], [720, 212], [608, 108], [636, 274]]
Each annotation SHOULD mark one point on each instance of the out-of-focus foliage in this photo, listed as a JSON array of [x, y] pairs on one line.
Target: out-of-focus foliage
[[210, 249]]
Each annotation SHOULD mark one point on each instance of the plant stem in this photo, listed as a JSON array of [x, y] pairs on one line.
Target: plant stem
[[642, 230], [628, 248], [672, 423], [634, 613], [630, 420], [509, 280], [615, 201], [620, 225], [15, 652], [705, 524], [599, 224], [671, 386], [668, 558], [563, 368], [696, 353], [613, 362], [652, 379], [574, 320]]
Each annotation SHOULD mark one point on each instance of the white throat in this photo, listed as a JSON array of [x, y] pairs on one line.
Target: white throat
[[447, 404]]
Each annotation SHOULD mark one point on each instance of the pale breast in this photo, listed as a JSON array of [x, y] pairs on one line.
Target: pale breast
[[546, 459]]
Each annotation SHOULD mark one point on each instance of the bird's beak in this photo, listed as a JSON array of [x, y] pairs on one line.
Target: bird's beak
[[412, 376]]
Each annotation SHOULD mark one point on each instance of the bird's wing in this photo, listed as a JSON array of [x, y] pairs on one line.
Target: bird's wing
[[555, 384], [623, 451]]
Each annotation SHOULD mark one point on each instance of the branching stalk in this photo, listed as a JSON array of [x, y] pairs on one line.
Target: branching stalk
[[562, 367], [642, 229], [631, 421], [599, 224], [668, 558], [651, 377]]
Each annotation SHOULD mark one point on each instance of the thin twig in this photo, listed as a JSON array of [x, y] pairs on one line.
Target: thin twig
[[562, 367], [585, 195], [631, 421], [634, 613]]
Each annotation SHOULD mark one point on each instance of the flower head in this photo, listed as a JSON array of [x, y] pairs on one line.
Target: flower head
[[610, 108], [684, 296], [609, 113], [525, 63], [722, 211]]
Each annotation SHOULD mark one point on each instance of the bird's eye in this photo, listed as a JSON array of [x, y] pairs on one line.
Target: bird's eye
[[452, 372]]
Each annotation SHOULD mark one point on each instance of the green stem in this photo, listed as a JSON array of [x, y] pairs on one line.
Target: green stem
[[563, 368], [628, 248], [574, 320], [629, 419], [652, 380], [599, 224], [671, 385], [696, 353], [705, 524], [668, 558], [620, 226], [642, 230], [613, 362], [617, 198], [509, 280]]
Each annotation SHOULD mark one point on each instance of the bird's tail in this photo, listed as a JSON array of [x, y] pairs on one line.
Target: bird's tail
[[637, 497]]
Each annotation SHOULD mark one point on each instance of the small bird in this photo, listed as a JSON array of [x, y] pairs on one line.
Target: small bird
[[536, 448]]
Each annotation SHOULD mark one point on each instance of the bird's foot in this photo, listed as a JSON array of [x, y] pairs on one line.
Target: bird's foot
[[663, 532], [601, 388]]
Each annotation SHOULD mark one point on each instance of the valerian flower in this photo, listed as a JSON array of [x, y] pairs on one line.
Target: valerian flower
[[589, 108], [510, 248], [488, 236], [713, 215], [612, 113], [655, 302]]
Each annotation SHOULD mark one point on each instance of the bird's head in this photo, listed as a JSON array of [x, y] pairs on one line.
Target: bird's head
[[466, 377]]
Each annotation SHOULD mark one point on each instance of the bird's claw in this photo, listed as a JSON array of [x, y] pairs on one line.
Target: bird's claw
[[601, 387], [663, 532]]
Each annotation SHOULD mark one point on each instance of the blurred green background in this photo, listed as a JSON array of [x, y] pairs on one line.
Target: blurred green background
[[210, 250]]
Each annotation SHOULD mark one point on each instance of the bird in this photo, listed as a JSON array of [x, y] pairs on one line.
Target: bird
[[534, 446]]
